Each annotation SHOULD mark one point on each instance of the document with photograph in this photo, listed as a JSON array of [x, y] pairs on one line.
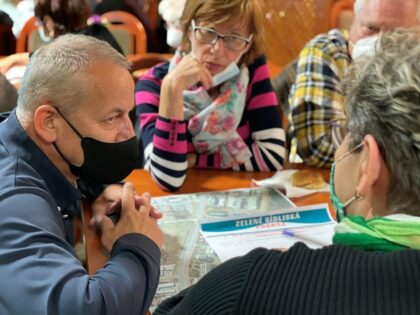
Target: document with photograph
[[186, 256]]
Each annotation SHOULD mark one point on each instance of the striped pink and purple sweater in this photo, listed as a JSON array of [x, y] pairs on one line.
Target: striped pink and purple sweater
[[167, 142]]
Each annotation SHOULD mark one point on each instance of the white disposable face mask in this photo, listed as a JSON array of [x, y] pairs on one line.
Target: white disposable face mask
[[229, 72], [174, 37], [365, 47]]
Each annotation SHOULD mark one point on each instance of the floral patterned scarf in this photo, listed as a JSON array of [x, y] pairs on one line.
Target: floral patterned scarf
[[213, 122]]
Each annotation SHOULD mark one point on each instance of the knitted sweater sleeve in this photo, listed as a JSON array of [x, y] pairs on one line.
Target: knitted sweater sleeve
[[216, 293], [331, 280], [164, 140]]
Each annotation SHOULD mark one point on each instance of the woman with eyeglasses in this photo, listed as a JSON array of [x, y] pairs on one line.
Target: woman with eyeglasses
[[373, 266], [212, 105]]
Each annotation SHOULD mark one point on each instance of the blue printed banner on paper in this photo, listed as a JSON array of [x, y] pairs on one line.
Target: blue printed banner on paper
[[317, 215]]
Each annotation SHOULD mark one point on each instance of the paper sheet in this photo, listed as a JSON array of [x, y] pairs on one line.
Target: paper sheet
[[312, 225]]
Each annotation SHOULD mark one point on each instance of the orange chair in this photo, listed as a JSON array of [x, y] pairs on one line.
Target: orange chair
[[29, 39], [127, 30], [143, 62], [342, 14]]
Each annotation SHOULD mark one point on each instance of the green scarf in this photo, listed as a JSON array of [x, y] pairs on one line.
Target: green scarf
[[386, 234]]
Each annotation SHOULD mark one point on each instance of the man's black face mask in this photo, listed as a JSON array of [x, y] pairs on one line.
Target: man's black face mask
[[104, 162]]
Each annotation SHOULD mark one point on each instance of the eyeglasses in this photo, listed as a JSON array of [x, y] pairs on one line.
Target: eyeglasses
[[205, 35], [338, 131]]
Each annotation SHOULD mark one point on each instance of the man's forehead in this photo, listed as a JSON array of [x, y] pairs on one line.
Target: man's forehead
[[390, 14], [112, 91]]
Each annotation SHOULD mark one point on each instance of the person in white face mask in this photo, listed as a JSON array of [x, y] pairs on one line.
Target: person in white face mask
[[315, 97], [365, 47], [171, 11]]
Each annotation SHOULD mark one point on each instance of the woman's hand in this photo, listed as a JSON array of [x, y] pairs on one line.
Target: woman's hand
[[187, 73]]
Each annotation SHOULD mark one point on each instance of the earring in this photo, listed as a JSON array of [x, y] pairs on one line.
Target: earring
[[358, 197]]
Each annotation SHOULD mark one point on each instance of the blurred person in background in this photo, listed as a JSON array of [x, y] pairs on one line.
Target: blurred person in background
[[58, 17], [143, 11], [171, 12], [315, 97]]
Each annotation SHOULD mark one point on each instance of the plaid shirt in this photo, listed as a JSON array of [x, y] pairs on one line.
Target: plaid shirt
[[315, 97]]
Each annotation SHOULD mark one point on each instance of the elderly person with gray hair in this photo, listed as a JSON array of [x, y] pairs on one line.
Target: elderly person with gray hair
[[372, 268], [315, 97], [72, 123]]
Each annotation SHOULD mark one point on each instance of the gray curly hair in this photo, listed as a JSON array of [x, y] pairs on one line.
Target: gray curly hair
[[383, 100]]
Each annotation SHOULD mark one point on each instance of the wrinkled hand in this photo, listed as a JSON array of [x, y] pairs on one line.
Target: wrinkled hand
[[109, 201], [133, 219]]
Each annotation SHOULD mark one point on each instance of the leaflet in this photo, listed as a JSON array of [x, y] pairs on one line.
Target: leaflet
[[234, 237]]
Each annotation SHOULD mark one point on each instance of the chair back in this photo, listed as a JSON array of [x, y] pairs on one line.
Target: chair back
[[342, 14], [29, 39], [143, 62], [127, 30]]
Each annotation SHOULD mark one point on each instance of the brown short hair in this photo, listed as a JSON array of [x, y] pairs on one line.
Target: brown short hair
[[220, 11], [68, 15]]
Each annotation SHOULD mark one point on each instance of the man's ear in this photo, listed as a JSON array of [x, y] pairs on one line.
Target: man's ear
[[45, 123], [372, 165]]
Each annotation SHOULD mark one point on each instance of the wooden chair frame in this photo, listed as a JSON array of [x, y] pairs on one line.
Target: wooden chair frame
[[120, 20], [22, 42]]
